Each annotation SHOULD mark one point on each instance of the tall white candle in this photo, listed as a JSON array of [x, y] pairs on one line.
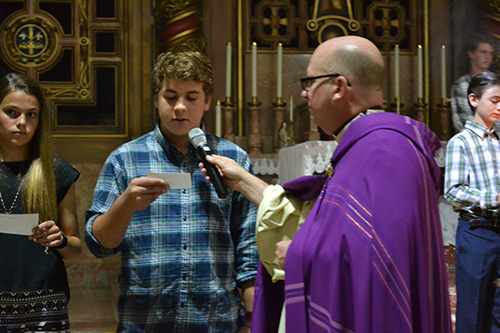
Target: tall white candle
[[218, 119], [443, 73], [396, 71], [254, 69], [228, 69], [279, 71], [291, 108], [420, 83]]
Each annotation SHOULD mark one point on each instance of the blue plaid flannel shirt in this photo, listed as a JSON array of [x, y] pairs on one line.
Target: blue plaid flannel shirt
[[183, 256]]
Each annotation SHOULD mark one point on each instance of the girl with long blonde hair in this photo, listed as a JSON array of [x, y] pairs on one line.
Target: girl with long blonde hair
[[34, 290]]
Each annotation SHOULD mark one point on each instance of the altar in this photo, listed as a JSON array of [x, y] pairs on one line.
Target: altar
[[313, 157]]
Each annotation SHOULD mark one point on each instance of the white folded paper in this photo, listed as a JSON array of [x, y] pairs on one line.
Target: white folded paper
[[18, 224]]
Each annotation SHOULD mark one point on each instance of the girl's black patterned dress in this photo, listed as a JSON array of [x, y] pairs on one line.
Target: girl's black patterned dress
[[34, 290]]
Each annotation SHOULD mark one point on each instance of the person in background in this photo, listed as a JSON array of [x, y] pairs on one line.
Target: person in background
[[369, 256], [480, 51], [186, 254], [472, 186], [34, 290]]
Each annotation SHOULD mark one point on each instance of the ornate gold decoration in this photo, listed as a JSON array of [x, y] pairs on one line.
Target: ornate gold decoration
[[495, 4], [387, 23], [62, 55], [179, 26], [30, 41], [81, 91], [490, 19], [331, 19], [274, 21]]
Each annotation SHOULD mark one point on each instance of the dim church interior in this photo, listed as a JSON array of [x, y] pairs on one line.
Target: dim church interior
[[97, 70]]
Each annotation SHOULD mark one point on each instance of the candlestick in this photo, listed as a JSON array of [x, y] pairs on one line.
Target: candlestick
[[443, 73], [254, 69], [254, 137], [291, 108], [444, 120], [228, 69], [396, 72], [228, 114], [280, 71], [420, 83], [218, 119], [396, 107], [420, 110]]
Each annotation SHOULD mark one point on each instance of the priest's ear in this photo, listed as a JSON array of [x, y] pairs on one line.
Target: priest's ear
[[340, 86]]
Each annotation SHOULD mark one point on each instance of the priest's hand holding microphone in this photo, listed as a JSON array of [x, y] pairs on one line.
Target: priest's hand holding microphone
[[224, 171], [199, 141]]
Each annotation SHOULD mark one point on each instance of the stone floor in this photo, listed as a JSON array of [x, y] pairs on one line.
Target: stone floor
[[92, 311], [94, 295]]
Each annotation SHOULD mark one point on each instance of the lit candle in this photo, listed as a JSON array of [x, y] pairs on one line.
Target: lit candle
[[218, 119], [443, 72], [420, 83], [254, 69], [280, 70], [228, 69], [291, 108]]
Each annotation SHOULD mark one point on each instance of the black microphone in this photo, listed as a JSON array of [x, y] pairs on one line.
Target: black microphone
[[199, 141]]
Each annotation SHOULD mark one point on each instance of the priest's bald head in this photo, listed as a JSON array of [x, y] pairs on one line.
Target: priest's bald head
[[344, 78]]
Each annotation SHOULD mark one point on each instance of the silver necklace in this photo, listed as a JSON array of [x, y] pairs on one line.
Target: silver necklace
[[9, 211]]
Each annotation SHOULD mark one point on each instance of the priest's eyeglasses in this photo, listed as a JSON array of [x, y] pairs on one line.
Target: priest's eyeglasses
[[308, 82]]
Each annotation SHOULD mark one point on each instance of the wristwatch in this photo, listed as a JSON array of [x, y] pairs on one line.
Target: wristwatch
[[64, 242]]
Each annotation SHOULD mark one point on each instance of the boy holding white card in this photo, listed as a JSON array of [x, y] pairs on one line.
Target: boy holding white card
[[185, 252]]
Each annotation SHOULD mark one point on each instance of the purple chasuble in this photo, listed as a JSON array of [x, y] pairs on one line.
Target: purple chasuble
[[370, 256]]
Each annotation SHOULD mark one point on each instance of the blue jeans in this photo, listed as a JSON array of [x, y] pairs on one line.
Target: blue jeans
[[477, 264]]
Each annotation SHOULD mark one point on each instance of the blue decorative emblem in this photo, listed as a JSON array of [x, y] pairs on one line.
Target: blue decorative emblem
[[31, 40]]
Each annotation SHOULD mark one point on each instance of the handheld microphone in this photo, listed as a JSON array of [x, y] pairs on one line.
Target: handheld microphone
[[199, 141]]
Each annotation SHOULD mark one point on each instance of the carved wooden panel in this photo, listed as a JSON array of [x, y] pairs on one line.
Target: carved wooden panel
[[74, 49], [387, 23], [303, 24]]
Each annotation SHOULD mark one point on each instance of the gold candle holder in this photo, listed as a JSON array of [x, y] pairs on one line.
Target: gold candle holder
[[228, 102], [444, 109], [397, 106], [254, 139], [228, 111], [420, 110]]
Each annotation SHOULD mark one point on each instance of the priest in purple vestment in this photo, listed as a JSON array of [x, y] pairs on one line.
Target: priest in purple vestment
[[369, 257]]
